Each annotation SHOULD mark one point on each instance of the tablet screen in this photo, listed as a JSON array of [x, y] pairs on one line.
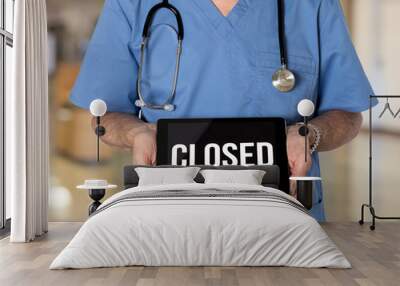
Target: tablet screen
[[217, 142]]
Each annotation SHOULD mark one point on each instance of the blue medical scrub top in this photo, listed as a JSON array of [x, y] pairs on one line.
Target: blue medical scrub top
[[227, 62]]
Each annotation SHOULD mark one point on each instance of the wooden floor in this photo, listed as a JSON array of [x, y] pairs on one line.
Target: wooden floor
[[375, 257]]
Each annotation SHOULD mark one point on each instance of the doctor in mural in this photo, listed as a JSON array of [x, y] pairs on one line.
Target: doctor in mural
[[225, 58]]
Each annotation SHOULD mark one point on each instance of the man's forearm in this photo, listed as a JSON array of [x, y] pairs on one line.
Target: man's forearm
[[337, 128], [121, 129]]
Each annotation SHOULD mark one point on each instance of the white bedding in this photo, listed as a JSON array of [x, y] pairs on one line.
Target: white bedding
[[200, 231]]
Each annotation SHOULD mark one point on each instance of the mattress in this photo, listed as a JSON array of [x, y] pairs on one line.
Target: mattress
[[201, 225]]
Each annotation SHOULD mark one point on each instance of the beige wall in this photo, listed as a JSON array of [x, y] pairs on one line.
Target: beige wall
[[374, 26]]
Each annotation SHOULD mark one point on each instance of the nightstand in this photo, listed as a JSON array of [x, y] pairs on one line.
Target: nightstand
[[97, 190]]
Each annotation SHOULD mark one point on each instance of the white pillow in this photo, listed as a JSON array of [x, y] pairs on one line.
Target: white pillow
[[164, 176], [248, 177]]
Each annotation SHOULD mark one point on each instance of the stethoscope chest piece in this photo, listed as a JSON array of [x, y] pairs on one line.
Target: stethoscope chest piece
[[283, 79]]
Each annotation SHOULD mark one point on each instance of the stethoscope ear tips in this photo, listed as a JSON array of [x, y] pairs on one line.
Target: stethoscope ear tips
[[166, 107], [139, 103], [169, 107]]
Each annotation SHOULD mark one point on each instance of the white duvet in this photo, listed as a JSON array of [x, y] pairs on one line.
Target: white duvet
[[200, 231]]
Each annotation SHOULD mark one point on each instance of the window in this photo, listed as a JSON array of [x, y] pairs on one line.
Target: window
[[6, 44]]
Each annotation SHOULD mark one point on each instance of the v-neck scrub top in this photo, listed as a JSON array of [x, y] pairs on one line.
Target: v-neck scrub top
[[227, 62]]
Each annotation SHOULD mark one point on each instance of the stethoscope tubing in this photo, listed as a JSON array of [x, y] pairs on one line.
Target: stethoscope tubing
[[283, 85], [150, 16], [167, 105], [281, 33]]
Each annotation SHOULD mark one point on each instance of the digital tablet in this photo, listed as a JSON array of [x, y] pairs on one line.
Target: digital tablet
[[224, 141]]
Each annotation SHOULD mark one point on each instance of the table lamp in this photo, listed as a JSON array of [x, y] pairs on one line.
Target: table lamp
[[305, 185], [97, 188], [306, 109]]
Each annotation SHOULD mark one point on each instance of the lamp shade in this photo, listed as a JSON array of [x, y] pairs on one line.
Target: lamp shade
[[306, 108], [98, 107]]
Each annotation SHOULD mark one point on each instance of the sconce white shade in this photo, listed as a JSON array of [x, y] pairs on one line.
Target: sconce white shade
[[98, 107], [306, 108]]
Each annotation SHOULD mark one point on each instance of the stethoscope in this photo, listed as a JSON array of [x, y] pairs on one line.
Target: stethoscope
[[283, 79]]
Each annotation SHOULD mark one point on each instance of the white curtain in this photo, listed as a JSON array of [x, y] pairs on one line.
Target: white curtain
[[27, 158]]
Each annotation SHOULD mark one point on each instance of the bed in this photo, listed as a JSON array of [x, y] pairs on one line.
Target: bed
[[201, 224]]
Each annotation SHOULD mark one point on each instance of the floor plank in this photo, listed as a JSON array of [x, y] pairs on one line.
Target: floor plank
[[375, 257]]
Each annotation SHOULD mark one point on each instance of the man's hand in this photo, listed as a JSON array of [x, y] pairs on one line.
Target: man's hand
[[295, 147], [128, 132], [144, 145]]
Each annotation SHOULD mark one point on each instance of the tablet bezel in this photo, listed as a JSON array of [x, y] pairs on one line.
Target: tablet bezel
[[163, 126]]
